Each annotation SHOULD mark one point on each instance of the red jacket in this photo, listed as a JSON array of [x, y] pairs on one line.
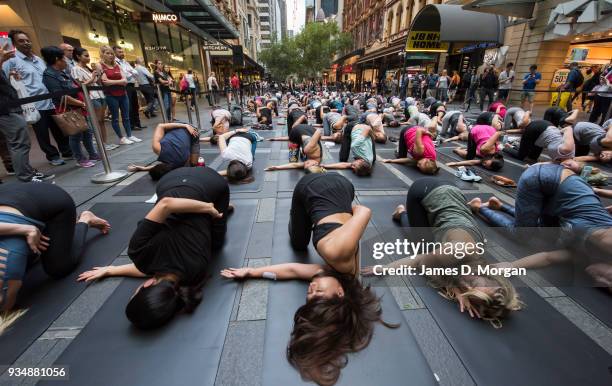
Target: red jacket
[[235, 82]]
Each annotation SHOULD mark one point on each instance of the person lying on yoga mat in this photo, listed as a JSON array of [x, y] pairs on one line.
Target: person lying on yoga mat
[[38, 221], [238, 147], [358, 142], [308, 139], [176, 145], [436, 210], [499, 109], [375, 122], [540, 135], [340, 313], [320, 112], [552, 195], [590, 137], [333, 123], [515, 120], [416, 141], [453, 124], [420, 119], [173, 246], [483, 142], [264, 115], [220, 120]]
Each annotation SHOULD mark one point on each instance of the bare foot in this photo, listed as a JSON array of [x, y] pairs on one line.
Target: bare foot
[[475, 204], [601, 274], [95, 222], [495, 203], [398, 212]]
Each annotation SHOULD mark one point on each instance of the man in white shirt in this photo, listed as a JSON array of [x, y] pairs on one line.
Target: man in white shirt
[[68, 50], [145, 79], [192, 86], [213, 86], [130, 76], [505, 83]]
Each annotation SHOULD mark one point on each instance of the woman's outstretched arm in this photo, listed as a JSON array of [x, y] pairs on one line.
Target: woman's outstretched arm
[[286, 271], [96, 273]]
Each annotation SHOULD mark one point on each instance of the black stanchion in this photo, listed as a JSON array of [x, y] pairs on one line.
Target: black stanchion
[[188, 109], [108, 175], [197, 114], [162, 105]]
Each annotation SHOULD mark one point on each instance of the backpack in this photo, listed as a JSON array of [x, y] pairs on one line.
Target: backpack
[[580, 79], [236, 113]]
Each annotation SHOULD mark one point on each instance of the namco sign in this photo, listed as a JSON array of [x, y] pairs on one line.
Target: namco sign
[[165, 18], [156, 17]]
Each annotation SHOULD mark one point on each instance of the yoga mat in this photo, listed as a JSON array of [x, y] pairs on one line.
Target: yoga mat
[[538, 331], [109, 351], [145, 186], [259, 164], [46, 298], [380, 179], [287, 179], [392, 357]]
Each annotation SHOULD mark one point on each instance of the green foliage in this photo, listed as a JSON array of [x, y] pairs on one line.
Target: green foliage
[[308, 53]]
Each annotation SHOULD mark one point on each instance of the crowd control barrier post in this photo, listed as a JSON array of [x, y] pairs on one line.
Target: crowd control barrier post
[[108, 175], [187, 99], [162, 105], [197, 115]]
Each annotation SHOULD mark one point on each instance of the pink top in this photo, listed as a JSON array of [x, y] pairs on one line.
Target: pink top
[[481, 134], [430, 150], [493, 108]]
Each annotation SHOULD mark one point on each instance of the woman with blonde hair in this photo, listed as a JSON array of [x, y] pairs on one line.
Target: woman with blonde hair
[[438, 211]]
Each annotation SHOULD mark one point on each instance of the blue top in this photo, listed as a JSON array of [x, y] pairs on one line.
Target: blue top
[[361, 146], [175, 147], [531, 81], [14, 250], [31, 71]]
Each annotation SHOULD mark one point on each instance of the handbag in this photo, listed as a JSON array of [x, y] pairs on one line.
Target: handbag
[[30, 113], [71, 122]]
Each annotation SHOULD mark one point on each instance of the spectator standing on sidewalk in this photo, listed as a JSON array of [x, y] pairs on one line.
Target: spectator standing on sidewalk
[[235, 83], [192, 86], [145, 81], [130, 76], [454, 85], [69, 56], [488, 85], [116, 96], [56, 79], [530, 81], [85, 75], [432, 81], [574, 81], [30, 69], [14, 128], [213, 87], [442, 86], [505, 79], [164, 82]]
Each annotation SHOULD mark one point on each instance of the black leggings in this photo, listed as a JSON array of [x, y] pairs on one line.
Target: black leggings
[[402, 147], [415, 215], [315, 197], [528, 148], [54, 207]]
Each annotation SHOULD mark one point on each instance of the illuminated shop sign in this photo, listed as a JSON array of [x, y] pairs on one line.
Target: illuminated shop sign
[[156, 17]]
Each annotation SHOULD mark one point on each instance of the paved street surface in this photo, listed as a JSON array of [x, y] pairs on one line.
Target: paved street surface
[[242, 360]]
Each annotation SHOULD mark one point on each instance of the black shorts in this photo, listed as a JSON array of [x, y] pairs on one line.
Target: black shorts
[[295, 135], [324, 194]]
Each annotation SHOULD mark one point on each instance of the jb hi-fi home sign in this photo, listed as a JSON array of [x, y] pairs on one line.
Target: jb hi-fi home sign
[[156, 17]]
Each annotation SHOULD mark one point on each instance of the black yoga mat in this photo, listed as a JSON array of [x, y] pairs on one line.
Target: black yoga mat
[[565, 355], [414, 174], [392, 357], [380, 179], [145, 186], [185, 352], [47, 298], [259, 164], [287, 179]]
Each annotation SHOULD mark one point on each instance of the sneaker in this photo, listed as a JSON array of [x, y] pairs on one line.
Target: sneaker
[[474, 175], [57, 162], [86, 164], [10, 172], [40, 177], [68, 157], [108, 147], [125, 141], [134, 139], [95, 159], [463, 174]]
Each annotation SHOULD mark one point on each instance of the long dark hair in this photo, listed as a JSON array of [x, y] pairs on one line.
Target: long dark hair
[[326, 330], [238, 173], [156, 305]]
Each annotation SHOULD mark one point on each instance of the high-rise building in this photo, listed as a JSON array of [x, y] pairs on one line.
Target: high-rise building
[[270, 21], [283, 18], [310, 11]]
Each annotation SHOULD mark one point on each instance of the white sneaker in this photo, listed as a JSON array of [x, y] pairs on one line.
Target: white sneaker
[[134, 139], [125, 141]]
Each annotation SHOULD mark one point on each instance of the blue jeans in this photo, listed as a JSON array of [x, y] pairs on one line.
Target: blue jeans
[[537, 184], [115, 104], [167, 105], [86, 138]]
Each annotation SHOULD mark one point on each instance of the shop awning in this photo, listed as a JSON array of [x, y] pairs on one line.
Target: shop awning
[[205, 15], [393, 49], [356, 52], [512, 8], [579, 17], [455, 24], [250, 63]]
